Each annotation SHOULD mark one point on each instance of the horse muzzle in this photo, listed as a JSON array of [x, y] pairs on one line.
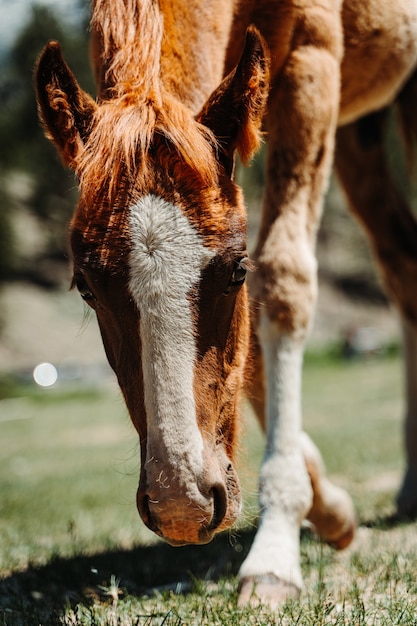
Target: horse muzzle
[[188, 512]]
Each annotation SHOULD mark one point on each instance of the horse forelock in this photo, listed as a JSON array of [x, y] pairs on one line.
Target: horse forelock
[[136, 114], [131, 135]]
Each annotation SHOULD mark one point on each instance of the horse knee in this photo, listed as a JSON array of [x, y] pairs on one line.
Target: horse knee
[[285, 286]]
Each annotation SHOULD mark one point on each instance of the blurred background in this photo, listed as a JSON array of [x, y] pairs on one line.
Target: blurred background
[[40, 320]]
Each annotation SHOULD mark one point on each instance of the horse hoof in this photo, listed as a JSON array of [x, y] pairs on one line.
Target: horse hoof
[[267, 590], [340, 542]]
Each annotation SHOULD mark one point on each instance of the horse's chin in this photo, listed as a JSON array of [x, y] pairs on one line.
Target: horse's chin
[[204, 537]]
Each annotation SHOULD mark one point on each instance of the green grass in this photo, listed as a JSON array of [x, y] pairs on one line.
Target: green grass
[[73, 550]]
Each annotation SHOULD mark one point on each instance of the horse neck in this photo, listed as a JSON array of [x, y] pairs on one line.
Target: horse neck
[[145, 47]]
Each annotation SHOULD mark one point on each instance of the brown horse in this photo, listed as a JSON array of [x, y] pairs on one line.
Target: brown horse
[[158, 238]]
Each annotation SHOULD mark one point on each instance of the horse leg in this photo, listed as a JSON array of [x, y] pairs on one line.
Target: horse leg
[[407, 497], [392, 230], [332, 512], [303, 110]]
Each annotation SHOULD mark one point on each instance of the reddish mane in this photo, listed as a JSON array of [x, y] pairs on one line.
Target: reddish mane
[[127, 40], [123, 132], [135, 107]]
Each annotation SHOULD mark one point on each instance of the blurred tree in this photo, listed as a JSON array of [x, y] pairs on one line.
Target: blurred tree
[[53, 188], [7, 243]]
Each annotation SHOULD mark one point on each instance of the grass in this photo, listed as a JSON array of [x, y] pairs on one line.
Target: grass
[[73, 551]]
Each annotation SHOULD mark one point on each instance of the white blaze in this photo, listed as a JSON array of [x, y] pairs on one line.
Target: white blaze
[[166, 259]]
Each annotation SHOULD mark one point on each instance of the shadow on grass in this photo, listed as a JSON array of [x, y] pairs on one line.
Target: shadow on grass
[[389, 521], [139, 571], [45, 591]]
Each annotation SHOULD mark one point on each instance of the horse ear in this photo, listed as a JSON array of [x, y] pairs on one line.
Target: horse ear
[[235, 109], [64, 108]]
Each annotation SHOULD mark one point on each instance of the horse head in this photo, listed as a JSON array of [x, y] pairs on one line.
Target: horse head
[[158, 246]]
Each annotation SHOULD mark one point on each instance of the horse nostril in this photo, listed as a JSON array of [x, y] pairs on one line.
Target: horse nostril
[[145, 512], [219, 506]]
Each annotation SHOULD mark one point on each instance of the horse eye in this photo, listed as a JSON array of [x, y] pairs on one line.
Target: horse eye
[[83, 289], [240, 267], [239, 273]]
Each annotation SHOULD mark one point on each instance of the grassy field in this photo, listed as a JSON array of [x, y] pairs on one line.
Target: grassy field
[[73, 551]]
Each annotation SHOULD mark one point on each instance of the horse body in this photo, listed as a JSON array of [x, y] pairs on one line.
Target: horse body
[[159, 238], [380, 40]]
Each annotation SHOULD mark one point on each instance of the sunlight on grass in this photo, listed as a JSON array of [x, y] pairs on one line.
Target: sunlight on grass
[[73, 550], [69, 472]]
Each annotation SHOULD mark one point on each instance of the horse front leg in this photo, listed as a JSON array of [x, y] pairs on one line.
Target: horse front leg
[[302, 118], [272, 572], [332, 513]]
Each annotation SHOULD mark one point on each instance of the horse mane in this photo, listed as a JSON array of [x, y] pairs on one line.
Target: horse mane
[[124, 132], [129, 36], [136, 109]]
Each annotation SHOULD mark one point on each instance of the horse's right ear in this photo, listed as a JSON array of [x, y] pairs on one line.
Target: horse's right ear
[[65, 110]]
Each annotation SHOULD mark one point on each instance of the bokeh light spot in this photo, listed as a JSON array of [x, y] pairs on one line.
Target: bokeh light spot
[[45, 374]]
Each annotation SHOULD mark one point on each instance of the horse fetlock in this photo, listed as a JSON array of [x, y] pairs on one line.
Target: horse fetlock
[[285, 487], [333, 515], [273, 563]]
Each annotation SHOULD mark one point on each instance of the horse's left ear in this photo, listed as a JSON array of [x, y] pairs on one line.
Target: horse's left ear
[[235, 109], [64, 108]]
